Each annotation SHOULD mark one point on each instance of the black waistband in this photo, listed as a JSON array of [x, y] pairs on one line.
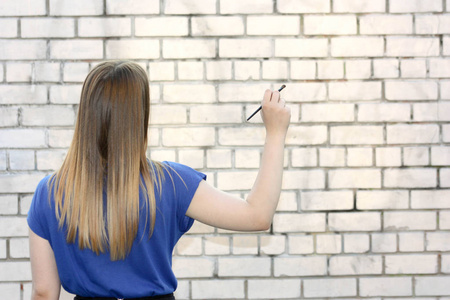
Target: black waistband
[[160, 297]]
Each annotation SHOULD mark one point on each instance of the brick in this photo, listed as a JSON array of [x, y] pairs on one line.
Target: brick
[[272, 288], [49, 115], [132, 7], [19, 248], [244, 267], [329, 287], [23, 49], [303, 6], [354, 221], [47, 72], [183, 290], [232, 92], [190, 70], [444, 89], [432, 285], [25, 203], [410, 178], [444, 219], [356, 243], [356, 265], [386, 68], [76, 49], [288, 222], [189, 245], [431, 111], [300, 266], [305, 179], [132, 49], [246, 7], [330, 69], [412, 134], [9, 27], [47, 27], [79, 8], [303, 69], [15, 271], [193, 48], [9, 205], [445, 263], [21, 160], [199, 136], [409, 220], [411, 264], [75, 72], [358, 6], [301, 47], [245, 70], [301, 244], [8, 116], [384, 242], [161, 26], [217, 245], [332, 157], [12, 226], [186, 7], [245, 47], [23, 8], [242, 180], [189, 93], [432, 24], [220, 158], [168, 114], [439, 68], [415, 6], [358, 69], [10, 290], [104, 27], [50, 159], [361, 157], [393, 199], [2, 253], [444, 179], [355, 90], [274, 69], [245, 245], [415, 156], [440, 156], [388, 157], [217, 289], [412, 46], [306, 135], [357, 46], [446, 48], [329, 25], [305, 92], [22, 138], [162, 71], [354, 135], [328, 243], [437, 241], [385, 286], [217, 26], [18, 72], [430, 199], [327, 112], [241, 136], [193, 267], [413, 68], [65, 94], [218, 70], [411, 242], [247, 158], [192, 157], [273, 25], [272, 244], [386, 24], [304, 157], [384, 112], [326, 200]]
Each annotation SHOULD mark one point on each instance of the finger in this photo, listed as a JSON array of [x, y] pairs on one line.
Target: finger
[[282, 102], [275, 96], [267, 95]]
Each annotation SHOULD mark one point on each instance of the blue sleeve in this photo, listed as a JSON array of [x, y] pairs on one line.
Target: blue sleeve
[[186, 181], [40, 207]]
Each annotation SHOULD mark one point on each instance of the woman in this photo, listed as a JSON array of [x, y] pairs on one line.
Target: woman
[[106, 223]]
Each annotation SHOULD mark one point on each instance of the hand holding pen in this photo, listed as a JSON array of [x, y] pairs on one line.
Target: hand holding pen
[[256, 111]]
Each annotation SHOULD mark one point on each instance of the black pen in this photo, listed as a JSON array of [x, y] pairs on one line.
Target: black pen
[[256, 111]]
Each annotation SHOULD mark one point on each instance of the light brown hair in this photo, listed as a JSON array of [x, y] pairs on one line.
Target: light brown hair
[[108, 154]]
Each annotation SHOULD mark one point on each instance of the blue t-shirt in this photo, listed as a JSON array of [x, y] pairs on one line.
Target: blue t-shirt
[[147, 270]]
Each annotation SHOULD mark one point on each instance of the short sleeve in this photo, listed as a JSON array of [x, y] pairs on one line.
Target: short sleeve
[[186, 181], [38, 214]]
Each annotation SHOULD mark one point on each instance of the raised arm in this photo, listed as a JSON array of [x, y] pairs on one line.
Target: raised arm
[[216, 208]]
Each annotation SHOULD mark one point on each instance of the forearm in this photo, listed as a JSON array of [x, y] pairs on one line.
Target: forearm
[[267, 187]]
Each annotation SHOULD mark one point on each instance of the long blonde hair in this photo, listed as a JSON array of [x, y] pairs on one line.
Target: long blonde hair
[[108, 152]]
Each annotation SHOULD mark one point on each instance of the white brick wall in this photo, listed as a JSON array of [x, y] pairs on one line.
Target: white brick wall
[[364, 210]]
